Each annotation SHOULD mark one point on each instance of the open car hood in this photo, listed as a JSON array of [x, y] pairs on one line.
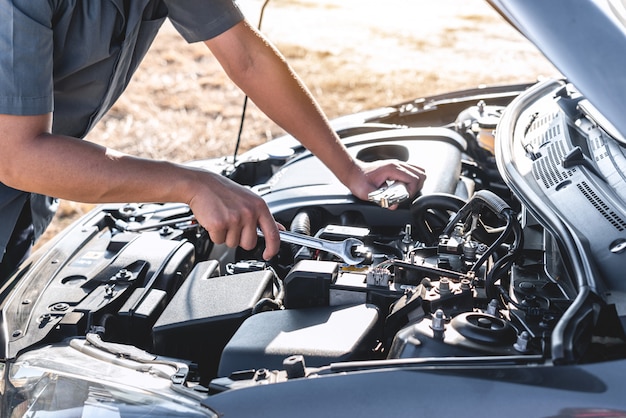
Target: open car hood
[[505, 273], [582, 39]]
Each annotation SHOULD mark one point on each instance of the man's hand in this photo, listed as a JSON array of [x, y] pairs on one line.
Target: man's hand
[[232, 213], [262, 73], [371, 176]]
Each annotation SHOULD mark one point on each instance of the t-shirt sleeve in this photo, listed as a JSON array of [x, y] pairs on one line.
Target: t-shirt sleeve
[[26, 60], [199, 20]]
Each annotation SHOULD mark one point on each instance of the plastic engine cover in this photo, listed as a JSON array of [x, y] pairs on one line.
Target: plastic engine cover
[[322, 335]]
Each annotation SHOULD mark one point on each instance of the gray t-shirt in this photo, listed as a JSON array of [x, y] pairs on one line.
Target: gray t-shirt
[[75, 58]]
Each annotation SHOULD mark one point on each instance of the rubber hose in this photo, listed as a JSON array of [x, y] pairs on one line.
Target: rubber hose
[[436, 201], [480, 198], [301, 224]]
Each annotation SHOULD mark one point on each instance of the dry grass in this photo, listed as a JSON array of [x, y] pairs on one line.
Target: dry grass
[[353, 55]]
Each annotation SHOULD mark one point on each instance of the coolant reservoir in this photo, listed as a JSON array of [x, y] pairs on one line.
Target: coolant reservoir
[[482, 119], [486, 130]]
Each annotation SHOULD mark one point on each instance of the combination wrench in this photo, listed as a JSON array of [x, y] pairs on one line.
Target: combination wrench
[[347, 249]]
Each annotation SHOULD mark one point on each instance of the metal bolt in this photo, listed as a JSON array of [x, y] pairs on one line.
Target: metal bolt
[[492, 308], [438, 324], [60, 307], [123, 274], [108, 290], [44, 319], [444, 286], [407, 234], [521, 344], [261, 374]]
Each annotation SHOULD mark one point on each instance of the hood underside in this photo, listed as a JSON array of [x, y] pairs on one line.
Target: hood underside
[[583, 40]]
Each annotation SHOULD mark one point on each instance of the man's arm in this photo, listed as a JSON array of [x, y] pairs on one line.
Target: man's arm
[[263, 74], [34, 160]]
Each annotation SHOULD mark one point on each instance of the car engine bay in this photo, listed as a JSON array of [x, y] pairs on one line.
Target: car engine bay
[[468, 271]]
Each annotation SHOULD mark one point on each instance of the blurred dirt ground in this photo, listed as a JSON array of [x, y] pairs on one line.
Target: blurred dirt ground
[[352, 54]]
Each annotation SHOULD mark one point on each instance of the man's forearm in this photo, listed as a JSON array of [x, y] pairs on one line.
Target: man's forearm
[[78, 170], [75, 169], [269, 81]]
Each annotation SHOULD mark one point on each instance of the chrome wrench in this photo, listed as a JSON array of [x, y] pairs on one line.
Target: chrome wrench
[[346, 249]]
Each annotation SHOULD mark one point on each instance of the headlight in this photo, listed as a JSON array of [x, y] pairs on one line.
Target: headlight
[[58, 387]]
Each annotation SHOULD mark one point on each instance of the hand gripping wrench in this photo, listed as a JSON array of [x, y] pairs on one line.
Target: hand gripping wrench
[[347, 249]]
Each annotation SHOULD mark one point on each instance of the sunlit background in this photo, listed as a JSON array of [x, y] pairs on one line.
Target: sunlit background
[[353, 55]]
